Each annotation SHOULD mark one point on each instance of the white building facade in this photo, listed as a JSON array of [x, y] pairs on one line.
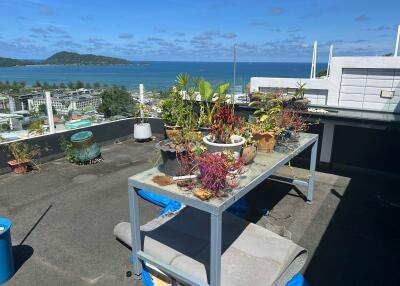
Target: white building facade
[[363, 83]]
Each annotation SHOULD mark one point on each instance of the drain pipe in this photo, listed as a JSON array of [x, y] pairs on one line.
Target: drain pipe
[[49, 106]]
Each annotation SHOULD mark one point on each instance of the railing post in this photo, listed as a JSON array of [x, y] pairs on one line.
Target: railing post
[[49, 106]]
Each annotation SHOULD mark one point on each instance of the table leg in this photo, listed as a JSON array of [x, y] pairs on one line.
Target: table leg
[[311, 178], [215, 249], [135, 230]]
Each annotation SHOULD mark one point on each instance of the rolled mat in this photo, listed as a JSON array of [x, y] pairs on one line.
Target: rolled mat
[[251, 254]]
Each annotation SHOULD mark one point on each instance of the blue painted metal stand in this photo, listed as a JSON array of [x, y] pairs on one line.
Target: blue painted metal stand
[[6, 256]]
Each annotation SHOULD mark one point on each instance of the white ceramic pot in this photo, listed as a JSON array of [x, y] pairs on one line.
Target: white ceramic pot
[[235, 146], [142, 131]]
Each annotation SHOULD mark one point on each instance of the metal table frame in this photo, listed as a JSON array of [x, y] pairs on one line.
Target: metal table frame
[[216, 216]]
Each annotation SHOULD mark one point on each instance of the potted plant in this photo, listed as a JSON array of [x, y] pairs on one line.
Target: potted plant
[[142, 130], [249, 150], [210, 104], [177, 111], [265, 130], [222, 135], [177, 152], [169, 116], [36, 128], [218, 171], [299, 101], [23, 155], [291, 123]]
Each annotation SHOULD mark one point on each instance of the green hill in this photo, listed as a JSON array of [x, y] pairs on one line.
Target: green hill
[[7, 62], [68, 58]]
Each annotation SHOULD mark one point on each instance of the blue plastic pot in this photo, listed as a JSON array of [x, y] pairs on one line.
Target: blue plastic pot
[[6, 255]]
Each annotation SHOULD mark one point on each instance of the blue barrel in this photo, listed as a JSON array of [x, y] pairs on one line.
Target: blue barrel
[[6, 255], [84, 146]]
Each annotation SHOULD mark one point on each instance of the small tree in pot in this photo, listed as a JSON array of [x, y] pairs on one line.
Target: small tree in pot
[[23, 155], [265, 129], [142, 130], [177, 111], [210, 103], [299, 101]]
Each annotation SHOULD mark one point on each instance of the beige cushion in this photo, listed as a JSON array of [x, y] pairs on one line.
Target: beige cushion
[[252, 255]]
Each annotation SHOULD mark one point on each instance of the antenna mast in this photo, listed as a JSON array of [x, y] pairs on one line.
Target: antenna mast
[[234, 79], [396, 51]]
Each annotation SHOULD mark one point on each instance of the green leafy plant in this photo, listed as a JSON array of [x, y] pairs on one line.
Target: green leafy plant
[[177, 110], [300, 90], [22, 152], [168, 112], [269, 108], [36, 128], [66, 147], [117, 101], [210, 101]]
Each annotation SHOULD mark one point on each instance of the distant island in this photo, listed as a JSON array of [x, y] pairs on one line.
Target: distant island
[[66, 58], [7, 62]]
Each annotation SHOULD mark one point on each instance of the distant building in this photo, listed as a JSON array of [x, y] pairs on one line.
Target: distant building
[[63, 103]]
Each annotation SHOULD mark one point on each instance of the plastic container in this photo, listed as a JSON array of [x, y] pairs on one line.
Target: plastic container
[[142, 131], [6, 255], [84, 146]]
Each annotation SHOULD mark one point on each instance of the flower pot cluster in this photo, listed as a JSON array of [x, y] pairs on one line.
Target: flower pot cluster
[[209, 143]]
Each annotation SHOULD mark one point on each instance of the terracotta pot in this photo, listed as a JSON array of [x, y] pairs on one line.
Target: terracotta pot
[[19, 168], [248, 154], [172, 131], [266, 141]]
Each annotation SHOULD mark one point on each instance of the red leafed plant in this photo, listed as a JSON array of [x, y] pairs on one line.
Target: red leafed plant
[[224, 124], [291, 120], [215, 168]]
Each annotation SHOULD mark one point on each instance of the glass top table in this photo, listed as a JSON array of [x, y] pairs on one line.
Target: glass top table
[[263, 167]]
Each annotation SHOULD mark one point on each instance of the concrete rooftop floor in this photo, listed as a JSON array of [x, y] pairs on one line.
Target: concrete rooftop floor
[[351, 230]]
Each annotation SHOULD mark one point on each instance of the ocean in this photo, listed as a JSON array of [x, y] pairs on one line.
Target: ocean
[[155, 75]]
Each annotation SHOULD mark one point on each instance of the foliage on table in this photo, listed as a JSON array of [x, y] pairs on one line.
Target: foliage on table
[[215, 168], [224, 125], [211, 100], [269, 108]]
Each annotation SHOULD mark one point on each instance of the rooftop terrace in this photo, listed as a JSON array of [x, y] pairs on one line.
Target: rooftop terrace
[[64, 216]]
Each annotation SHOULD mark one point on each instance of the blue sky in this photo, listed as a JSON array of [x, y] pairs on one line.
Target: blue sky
[[206, 30]]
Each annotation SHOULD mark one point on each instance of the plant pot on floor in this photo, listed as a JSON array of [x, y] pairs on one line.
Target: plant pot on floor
[[173, 162], [235, 146], [172, 131], [19, 167], [142, 131], [266, 141]]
